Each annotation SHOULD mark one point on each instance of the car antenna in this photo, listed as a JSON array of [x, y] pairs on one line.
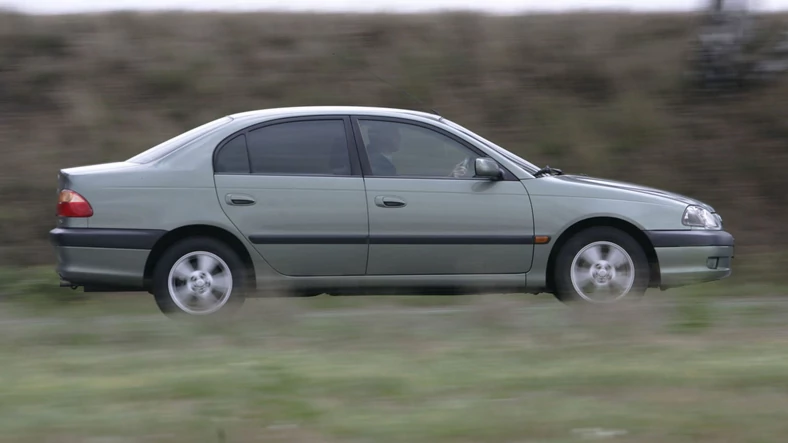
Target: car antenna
[[402, 90]]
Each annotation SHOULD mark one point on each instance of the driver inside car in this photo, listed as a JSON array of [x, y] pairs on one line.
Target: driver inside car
[[461, 169], [384, 142]]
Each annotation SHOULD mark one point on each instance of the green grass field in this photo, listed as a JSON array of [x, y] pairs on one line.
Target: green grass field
[[672, 368]]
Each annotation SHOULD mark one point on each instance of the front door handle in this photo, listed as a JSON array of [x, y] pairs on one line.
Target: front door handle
[[239, 199], [389, 202]]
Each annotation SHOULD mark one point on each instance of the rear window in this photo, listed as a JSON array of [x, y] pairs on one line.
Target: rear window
[[309, 147], [176, 142]]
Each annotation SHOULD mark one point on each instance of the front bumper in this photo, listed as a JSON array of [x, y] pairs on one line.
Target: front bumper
[[692, 256]]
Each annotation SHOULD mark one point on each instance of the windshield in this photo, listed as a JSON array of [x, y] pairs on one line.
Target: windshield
[[528, 166], [176, 142]]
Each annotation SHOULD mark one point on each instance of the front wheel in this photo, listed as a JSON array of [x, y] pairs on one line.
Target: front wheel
[[199, 276], [601, 265]]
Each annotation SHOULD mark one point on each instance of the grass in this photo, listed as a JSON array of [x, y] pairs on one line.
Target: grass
[[490, 369]]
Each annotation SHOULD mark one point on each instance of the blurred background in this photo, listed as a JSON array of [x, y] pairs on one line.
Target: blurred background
[[614, 95], [688, 96]]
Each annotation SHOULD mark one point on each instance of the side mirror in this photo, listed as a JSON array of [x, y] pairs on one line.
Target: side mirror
[[488, 168]]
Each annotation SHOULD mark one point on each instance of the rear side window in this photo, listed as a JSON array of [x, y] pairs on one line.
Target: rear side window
[[232, 157], [310, 147]]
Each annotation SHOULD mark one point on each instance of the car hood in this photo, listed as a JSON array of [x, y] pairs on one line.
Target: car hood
[[631, 187]]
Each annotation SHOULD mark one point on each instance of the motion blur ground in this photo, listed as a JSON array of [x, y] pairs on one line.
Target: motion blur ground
[[388, 369]]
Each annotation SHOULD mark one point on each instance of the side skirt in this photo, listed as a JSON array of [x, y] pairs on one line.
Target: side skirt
[[392, 285]]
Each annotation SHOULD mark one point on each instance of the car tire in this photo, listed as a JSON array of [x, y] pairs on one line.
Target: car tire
[[199, 277], [601, 265]]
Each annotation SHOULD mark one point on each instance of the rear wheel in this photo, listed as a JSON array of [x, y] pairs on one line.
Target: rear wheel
[[199, 276], [601, 265]]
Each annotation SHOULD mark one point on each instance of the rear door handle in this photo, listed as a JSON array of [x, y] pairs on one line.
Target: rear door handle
[[239, 199], [389, 202]]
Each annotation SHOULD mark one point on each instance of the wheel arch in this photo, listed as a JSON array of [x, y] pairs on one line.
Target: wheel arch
[[636, 233], [175, 235]]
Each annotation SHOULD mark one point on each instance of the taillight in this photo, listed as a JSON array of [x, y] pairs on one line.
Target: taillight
[[71, 204]]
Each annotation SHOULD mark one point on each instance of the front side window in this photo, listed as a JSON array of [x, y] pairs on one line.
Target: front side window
[[406, 150], [519, 161], [309, 147]]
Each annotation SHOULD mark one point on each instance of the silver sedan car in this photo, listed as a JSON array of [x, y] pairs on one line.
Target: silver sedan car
[[355, 200]]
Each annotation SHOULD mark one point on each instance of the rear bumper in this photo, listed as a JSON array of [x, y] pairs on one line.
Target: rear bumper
[[690, 257], [106, 258], [105, 238]]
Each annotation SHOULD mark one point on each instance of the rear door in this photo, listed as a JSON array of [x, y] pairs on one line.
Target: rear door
[[294, 188]]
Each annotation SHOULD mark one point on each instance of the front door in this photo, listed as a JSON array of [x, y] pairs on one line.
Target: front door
[[294, 189], [428, 214]]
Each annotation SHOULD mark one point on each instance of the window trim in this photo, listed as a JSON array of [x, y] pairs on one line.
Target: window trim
[[355, 163], [367, 169]]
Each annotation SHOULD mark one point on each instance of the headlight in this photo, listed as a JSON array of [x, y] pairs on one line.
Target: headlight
[[700, 217]]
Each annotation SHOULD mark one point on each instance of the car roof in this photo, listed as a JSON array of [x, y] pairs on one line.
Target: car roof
[[298, 111]]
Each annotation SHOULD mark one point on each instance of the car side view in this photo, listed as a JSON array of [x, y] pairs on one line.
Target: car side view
[[355, 200]]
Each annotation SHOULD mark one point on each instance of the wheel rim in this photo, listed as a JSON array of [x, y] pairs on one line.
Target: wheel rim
[[602, 272], [200, 283]]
